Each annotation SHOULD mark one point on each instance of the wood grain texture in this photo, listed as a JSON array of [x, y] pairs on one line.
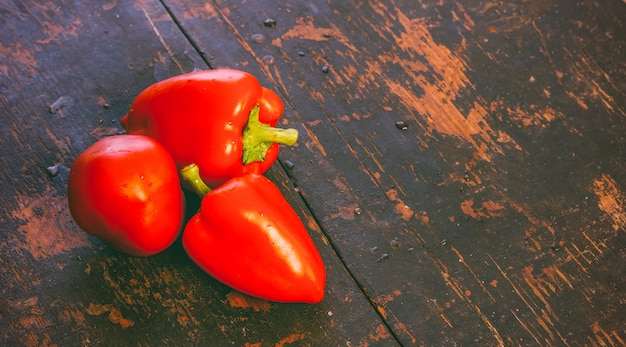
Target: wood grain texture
[[492, 218], [460, 166], [70, 72]]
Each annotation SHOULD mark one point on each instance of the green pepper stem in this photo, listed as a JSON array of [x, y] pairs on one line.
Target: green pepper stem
[[191, 175], [258, 137]]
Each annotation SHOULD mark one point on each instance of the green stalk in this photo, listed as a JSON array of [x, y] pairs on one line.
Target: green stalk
[[258, 137], [191, 175]]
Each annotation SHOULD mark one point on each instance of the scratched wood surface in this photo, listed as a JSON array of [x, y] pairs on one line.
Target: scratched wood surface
[[70, 70], [460, 166]]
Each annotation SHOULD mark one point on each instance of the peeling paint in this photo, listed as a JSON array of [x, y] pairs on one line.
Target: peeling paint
[[115, 316], [239, 300], [207, 11], [465, 295], [488, 209], [345, 212], [405, 211], [109, 5], [290, 339], [611, 200], [381, 333], [435, 108], [46, 225], [305, 29], [17, 53]]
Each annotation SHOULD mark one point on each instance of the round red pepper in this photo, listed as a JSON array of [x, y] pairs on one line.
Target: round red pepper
[[222, 120], [247, 236], [125, 190]]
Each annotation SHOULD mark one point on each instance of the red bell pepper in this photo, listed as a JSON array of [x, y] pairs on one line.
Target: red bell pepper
[[222, 120], [126, 191], [247, 236]]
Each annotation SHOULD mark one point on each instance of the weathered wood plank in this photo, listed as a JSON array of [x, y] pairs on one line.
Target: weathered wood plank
[[69, 70], [500, 207]]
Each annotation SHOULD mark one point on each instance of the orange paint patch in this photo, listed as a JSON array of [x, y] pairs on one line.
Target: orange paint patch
[[22, 304], [505, 138], [381, 333], [182, 320], [557, 277], [115, 316], [463, 18], [305, 29], [384, 299], [382, 311], [194, 12], [75, 316], [35, 322], [531, 241], [97, 309], [47, 14], [402, 327], [605, 338], [589, 84], [542, 289], [107, 6], [442, 79], [345, 212], [404, 210], [240, 300], [536, 117], [423, 217], [493, 208], [464, 294], [290, 339], [45, 224], [488, 209], [101, 100], [611, 200], [56, 31], [17, 53], [311, 223]]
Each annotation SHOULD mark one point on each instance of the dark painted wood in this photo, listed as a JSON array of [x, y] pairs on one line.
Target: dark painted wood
[[496, 217], [69, 72], [460, 166]]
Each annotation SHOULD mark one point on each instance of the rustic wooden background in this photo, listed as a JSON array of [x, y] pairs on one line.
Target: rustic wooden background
[[461, 168]]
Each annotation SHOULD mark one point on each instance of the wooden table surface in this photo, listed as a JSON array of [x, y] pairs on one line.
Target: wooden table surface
[[461, 168]]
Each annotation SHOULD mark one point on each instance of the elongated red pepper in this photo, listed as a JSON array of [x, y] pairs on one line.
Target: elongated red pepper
[[222, 120], [247, 236]]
